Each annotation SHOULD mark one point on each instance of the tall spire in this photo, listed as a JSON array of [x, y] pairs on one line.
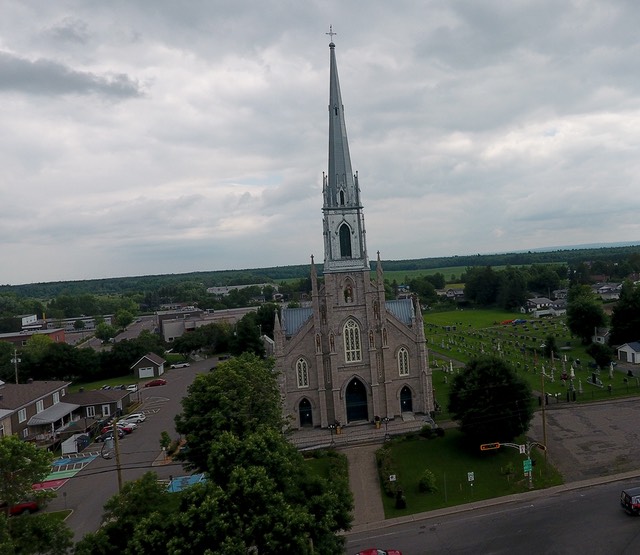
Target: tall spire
[[344, 232]]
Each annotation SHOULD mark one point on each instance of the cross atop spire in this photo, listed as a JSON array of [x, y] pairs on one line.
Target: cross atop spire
[[331, 33]]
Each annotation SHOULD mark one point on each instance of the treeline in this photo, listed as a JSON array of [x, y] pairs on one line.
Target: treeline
[[277, 274]]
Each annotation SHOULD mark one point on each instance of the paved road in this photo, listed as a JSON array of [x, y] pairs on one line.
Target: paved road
[[87, 491]]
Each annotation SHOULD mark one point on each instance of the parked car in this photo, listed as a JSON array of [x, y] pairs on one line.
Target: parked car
[[180, 365], [126, 427], [135, 417], [132, 387], [379, 552], [154, 383], [109, 435], [25, 507], [630, 500]]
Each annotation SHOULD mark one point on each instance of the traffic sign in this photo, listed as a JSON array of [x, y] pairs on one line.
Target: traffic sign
[[470, 476], [527, 465], [487, 446]]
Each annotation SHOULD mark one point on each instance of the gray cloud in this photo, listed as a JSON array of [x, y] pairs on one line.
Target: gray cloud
[[47, 77]]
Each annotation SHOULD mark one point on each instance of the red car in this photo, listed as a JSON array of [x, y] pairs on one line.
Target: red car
[[126, 427], [379, 552], [25, 507], [153, 383]]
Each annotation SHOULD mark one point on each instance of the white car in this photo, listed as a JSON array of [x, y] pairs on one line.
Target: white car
[[180, 365], [136, 418], [132, 388]]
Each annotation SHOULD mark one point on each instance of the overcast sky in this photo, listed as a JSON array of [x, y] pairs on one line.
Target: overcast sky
[[157, 137]]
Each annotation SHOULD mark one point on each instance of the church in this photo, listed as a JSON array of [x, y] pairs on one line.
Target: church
[[352, 356]]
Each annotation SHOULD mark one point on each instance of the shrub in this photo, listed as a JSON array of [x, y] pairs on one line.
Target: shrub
[[386, 468], [440, 432], [427, 483], [426, 431]]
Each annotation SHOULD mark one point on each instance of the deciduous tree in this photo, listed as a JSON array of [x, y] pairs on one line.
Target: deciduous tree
[[490, 401]]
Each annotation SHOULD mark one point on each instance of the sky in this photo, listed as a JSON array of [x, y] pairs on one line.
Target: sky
[[157, 137]]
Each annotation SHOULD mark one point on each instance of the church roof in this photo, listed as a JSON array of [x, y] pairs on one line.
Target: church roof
[[402, 309], [294, 318]]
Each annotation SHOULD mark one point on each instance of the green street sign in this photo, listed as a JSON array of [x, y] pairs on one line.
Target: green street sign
[[527, 465]]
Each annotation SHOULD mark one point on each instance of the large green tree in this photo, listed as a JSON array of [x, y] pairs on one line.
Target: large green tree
[[490, 401], [239, 396], [584, 312], [21, 465], [625, 319]]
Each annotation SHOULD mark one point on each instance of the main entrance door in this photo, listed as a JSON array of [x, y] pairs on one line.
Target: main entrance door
[[406, 404], [356, 401], [306, 417]]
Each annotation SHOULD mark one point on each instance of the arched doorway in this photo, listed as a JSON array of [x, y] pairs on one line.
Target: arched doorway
[[306, 416], [406, 404], [356, 396]]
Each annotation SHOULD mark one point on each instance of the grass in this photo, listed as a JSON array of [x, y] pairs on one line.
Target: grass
[[496, 473]]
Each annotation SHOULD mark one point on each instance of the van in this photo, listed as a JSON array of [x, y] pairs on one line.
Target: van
[[630, 500]]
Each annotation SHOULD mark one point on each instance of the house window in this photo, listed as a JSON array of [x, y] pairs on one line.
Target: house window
[[56, 397], [302, 371], [106, 410], [25, 433], [39, 406], [22, 415], [91, 412], [403, 362], [352, 349]]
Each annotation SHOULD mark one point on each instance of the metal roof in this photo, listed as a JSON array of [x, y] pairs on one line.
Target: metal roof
[[402, 309], [52, 414], [294, 318]]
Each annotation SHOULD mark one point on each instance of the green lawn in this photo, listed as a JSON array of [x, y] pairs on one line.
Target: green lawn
[[496, 473]]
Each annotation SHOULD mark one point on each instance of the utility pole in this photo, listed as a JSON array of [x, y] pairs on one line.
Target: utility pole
[[15, 361], [116, 447], [544, 415]]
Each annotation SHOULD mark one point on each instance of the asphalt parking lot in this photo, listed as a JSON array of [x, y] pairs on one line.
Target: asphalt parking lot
[[591, 441]]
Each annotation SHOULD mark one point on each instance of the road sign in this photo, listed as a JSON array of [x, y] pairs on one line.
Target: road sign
[[523, 449], [527, 465], [470, 476], [487, 446]]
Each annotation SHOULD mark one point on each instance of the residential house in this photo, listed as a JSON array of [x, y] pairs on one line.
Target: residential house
[[601, 335], [96, 405], [36, 410]]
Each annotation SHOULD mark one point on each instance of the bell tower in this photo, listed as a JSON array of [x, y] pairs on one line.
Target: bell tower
[[345, 247]]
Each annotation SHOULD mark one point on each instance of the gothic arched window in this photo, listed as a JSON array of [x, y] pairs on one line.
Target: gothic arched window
[[403, 362], [352, 348], [345, 241], [341, 198], [302, 371]]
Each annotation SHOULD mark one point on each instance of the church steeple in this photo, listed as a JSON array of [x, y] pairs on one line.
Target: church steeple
[[343, 222]]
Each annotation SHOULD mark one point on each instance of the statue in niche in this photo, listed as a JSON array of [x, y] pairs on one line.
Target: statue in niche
[[318, 344], [372, 342], [384, 336], [332, 345], [376, 310], [348, 294], [323, 314]]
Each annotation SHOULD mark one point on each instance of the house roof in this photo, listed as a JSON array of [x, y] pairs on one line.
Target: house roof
[[151, 357], [635, 345], [52, 414], [96, 397], [14, 396]]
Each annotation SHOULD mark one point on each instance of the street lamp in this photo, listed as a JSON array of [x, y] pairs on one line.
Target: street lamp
[[386, 427], [331, 428]]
